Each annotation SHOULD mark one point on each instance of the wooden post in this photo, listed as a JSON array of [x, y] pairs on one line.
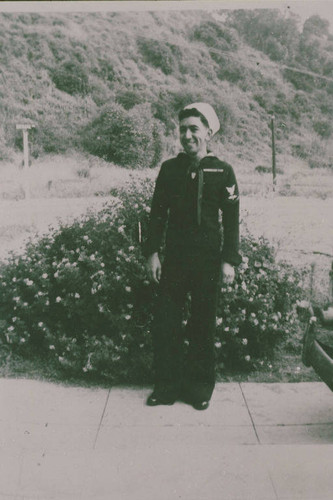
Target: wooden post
[[25, 129], [273, 153]]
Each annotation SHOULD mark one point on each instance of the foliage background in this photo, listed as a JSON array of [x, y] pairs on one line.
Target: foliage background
[[61, 70]]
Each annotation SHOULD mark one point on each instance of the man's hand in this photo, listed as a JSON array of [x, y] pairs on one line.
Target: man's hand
[[228, 273], [154, 267]]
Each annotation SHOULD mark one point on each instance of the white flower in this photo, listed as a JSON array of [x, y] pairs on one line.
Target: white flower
[[22, 340], [244, 341], [14, 319], [16, 299], [218, 344], [14, 280], [47, 302], [118, 278], [121, 229], [28, 282], [131, 248], [128, 289], [58, 299], [51, 347], [226, 329], [56, 274], [247, 358], [10, 328], [128, 316], [102, 264], [130, 306], [92, 257], [100, 308], [219, 321], [77, 295], [25, 304], [45, 275], [86, 238], [40, 324]]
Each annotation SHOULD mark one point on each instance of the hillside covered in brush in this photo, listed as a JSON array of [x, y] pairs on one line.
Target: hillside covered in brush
[[112, 84]]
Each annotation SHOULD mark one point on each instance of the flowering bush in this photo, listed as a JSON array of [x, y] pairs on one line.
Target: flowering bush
[[80, 298], [259, 310]]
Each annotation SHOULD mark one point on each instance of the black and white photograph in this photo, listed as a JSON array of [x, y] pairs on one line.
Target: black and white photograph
[[166, 250]]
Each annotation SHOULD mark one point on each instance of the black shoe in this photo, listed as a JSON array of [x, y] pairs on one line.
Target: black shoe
[[200, 405], [155, 400]]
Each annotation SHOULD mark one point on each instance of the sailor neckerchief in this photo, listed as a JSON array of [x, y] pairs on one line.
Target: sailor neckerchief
[[194, 171]]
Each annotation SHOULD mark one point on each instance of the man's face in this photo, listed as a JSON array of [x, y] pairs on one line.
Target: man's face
[[194, 136]]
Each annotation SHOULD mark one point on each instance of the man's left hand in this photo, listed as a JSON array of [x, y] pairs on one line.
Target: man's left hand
[[228, 273]]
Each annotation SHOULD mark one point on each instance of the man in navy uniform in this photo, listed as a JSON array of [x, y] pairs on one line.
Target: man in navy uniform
[[190, 191]]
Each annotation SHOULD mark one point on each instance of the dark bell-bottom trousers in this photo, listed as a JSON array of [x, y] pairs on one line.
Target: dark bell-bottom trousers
[[192, 375]]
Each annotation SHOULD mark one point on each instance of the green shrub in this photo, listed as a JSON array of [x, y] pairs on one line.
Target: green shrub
[[215, 35], [80, 298], [157, 53], [130, 98], [4, 150], [264, 169], [132, 139], [228, 68], [323, 128], [70, 77]]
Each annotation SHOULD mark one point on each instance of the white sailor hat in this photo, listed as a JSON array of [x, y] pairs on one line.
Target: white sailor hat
[[208, 112]]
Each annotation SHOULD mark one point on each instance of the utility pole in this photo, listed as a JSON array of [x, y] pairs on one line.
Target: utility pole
[[25, 128], [273, 152]]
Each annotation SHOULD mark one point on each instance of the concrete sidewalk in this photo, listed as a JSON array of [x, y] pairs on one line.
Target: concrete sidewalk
[[256, 441]]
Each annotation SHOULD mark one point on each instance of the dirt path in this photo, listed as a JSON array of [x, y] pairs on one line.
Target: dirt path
[[21, 219]]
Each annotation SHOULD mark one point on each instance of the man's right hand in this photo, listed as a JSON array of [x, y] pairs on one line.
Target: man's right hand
[[154, 267]]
